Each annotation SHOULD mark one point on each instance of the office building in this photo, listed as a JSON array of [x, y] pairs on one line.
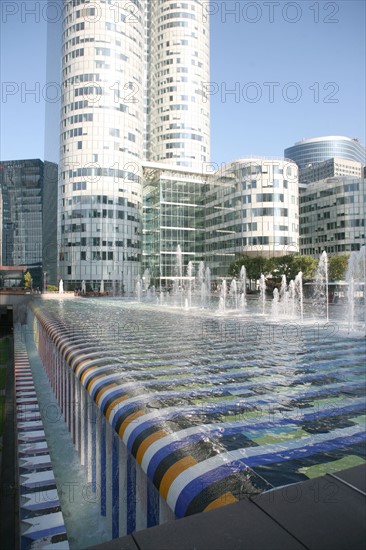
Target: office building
[[132, 77], [251, 208], [28, 191], [332, 216], [330, 168], [310, 151], [174, 216]]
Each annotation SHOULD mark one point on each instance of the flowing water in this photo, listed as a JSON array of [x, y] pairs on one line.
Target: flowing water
[[292, 395], [273, 389]]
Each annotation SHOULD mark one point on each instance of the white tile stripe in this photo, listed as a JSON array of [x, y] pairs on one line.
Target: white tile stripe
[[32, 442]]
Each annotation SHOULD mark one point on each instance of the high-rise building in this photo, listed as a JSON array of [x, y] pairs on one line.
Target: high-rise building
[[174, 219], [28, 199], [251, 208], [179, 113], [132, 81], [310, 151], [332, 216], [330, 168]]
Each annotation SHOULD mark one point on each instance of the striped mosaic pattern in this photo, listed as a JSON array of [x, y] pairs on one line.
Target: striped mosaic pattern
[[211, 410], [41, 520]]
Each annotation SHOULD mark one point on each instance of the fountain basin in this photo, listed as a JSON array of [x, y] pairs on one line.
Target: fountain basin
[[179, 413]]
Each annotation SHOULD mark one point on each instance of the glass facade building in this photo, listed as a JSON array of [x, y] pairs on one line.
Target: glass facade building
[[310, 151], [174, 216], [252, 209], [332, 216], [132, 76], [179, 110], [330, 168], [28, 197]]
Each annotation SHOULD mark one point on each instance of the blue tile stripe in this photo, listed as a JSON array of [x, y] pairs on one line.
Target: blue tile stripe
[[154, 433], [193, 488]]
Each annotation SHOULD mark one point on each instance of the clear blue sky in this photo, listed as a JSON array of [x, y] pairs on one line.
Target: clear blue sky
[[274, 52]]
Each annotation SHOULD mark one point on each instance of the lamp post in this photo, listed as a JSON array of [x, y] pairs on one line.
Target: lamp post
[[45, 281]]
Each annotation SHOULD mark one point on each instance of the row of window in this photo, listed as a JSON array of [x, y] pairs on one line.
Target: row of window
[[72, 55], [104, 213], [340, 224], [177, 15], [98, 172], [180, 135], [249, 241], [77, 40], [76, 119], [271, 212], [85, 77], [99, 242], [276, 184]]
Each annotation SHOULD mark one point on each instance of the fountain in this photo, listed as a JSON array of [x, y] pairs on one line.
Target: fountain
[[275, 305], [138, 288], [146, 279], [321, 293], [233, 293], [243, 288], [178, 278], [219, 381], [61, 287], [222, 301], [291, 304], [101, 288], [299, 295], [201, 285], [262, 292], [189, 291], [283, 296], [356, 279], [83, 287], [208, 285]]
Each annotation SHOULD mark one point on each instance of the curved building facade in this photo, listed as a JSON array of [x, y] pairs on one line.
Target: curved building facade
[[132, 80], [179, 110], [310, 151], [102, 132], [252, 208]]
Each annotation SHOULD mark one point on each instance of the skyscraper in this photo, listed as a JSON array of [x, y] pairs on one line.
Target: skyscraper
[[28, 190], [132, 75], [307, 152]]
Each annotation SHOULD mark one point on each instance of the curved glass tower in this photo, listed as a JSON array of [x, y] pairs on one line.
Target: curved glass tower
[[313, 150], [101, 144], [132, 75], [179, 111], [252, 209]]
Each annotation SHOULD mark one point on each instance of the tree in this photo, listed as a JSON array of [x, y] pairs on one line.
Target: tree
[[254, 266], [290, 265], [337, 267], [306, 264], [27, 280], [281, 265]]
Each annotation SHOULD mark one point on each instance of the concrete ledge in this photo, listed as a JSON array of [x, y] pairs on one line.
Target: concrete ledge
[[318, 514]]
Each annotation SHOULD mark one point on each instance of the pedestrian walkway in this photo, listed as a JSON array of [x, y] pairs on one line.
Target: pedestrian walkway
[[40, 516]]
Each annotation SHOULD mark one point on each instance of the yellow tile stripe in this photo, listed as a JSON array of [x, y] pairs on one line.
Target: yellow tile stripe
[[128, 421], [147, 442], [101, 392], [113, 404], [173, 472], [223, 500]]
